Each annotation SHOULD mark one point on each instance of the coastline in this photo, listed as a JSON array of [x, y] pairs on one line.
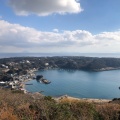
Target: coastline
[[106, 69], [37, 95], [26, 80], [64, 98], [72, 99]]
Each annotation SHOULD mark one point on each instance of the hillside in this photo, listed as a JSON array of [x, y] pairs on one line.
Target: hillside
[[69, 62], [19, 106]]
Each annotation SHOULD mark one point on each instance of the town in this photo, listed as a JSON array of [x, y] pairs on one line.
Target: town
[[14, 74]]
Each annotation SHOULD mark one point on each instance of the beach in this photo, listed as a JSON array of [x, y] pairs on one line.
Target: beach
[[72, 99]]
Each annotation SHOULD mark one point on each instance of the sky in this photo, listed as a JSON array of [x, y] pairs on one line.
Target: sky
[[60, 26]]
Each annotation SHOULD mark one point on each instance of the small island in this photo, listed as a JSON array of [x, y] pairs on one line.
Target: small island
[[41, 79]]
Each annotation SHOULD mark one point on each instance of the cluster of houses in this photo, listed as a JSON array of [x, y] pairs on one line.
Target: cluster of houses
[[17, 81], [14, 72]]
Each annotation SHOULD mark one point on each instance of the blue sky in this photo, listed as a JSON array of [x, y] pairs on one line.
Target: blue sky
[[60, 26]]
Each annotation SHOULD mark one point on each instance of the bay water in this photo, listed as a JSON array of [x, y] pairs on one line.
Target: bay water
[[77, 83]]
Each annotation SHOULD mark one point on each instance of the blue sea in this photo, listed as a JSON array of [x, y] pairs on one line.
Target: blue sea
[[75, 83], [80, 84], [7, 55]]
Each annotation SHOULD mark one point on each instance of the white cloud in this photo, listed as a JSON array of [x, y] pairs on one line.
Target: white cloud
[[45, 7], [55, 30], [14, 38]]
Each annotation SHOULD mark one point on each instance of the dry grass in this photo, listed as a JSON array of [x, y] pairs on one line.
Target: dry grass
[[109, 111], [7, 113], [18, 106]]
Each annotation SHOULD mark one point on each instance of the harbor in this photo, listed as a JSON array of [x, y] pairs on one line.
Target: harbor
[[18, 82]]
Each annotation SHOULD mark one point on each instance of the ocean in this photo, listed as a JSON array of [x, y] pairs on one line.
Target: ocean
[[7, 55], [77, 83]]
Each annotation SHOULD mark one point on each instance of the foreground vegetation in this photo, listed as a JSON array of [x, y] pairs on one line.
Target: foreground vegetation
[[19, 106]]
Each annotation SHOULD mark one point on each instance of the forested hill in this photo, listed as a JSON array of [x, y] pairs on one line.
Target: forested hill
[[75, 62]]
